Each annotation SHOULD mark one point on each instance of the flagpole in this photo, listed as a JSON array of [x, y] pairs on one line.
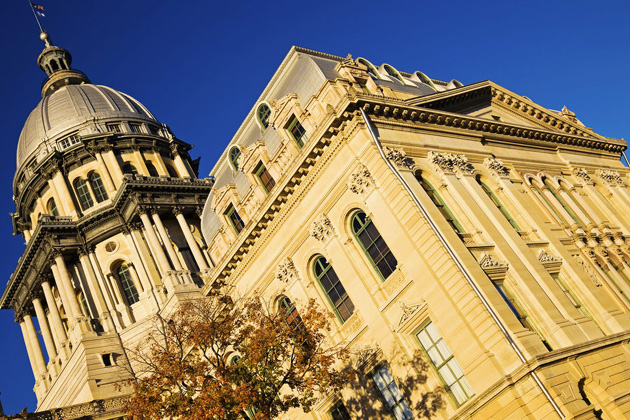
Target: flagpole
[[35, 14]]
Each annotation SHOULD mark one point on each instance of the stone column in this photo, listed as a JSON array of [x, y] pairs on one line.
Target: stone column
[[154, 244], [105, 175], [29, 350], [137, 260], [66, 195], [95, 290], [179, 162], [45, 329], [166, 241], [60, 332], [113, 166], [62, 292], [64, 282], [140, 159], [33, 343], [192, 244]]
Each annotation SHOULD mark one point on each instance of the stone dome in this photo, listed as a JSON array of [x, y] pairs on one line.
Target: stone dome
[[76, 109]]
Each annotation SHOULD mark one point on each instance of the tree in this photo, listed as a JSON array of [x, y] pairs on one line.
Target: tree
[[213, 359]]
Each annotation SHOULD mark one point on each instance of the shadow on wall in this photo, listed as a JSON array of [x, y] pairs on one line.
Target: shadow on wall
[[367, 401]]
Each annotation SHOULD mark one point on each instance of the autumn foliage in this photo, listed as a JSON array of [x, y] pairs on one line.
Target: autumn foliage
[[213, 359]]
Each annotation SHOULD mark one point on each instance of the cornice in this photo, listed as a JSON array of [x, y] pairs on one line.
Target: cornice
[[51, 228], [514, 103], [395, 111]]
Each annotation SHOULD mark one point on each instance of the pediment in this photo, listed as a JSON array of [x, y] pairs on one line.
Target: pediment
[[490, 101]]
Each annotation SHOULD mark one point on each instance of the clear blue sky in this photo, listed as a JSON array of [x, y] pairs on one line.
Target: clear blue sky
[[199, 66]]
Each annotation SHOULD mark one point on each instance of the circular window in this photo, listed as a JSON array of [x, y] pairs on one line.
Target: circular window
[[111, 246]]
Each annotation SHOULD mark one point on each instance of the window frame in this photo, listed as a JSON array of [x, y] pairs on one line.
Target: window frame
[[399, 402], [128, 285], [52, 208], [229, 212], [98, 187], [434, 196], [260, 170], [263, 118], [234, 156], [83, 193], [343, 414], [295, 126], [318, 278], [499, 204], [384, 255], [447, 387]]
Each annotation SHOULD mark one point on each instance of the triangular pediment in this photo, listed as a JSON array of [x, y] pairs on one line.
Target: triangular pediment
[[490, 101]]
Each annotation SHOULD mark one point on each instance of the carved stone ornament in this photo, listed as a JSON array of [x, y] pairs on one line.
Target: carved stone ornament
[[322, 228], [286, 271], [544, 257], [398, 157], [487, 261], [408, 311], [588, 270], [360, 180], [450, 162], [582, 173], [497, 166], [609, 176]]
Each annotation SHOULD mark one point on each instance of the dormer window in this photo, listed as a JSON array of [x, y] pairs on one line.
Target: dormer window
[[234, 218], [297, 132], [262, 113], [68, 141], [392, 72], [235, 157], [135, 128], [154, 130], [114, 128]]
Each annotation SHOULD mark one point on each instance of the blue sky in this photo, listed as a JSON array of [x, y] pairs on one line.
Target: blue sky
[[199, 66]]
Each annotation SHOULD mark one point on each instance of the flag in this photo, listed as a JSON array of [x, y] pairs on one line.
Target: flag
[[39, 9]]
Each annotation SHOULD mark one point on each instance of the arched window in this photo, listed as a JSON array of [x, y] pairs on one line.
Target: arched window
[[331, 285], [288, 310], [497, 203], [127, 285], [262, 113], [128, 168], [439, 203], [152, 170], [171, 171], [52, 207], [549, 186], [235, 157], [370, 67], [373, 244], [97, 187], [393, 72], [83, 193]]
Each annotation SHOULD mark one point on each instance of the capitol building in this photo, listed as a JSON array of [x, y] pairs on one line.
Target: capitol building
[[474, 243]]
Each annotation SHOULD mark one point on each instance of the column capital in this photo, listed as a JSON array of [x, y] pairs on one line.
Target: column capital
[[177, 210], [199, 211], [56, 252]]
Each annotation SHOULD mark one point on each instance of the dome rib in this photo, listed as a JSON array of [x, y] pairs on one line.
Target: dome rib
[[79, 107]]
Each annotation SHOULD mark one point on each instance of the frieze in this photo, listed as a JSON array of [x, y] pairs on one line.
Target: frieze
[[450, 162], [398, 157], [588, 270], [360, 180], [544, 257], [582, 173], [488, 261], [609, 176], [497, 166], [286, 271], [322, 228]]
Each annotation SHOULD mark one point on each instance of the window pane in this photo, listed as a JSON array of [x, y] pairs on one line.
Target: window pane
[[333, 288]]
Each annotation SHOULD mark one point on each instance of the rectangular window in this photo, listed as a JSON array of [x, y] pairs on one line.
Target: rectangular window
[[444, 362], [391, 394], [297, 132], [114, 128], [265, 177], [135, 128], [235, 219], [339, 412]]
